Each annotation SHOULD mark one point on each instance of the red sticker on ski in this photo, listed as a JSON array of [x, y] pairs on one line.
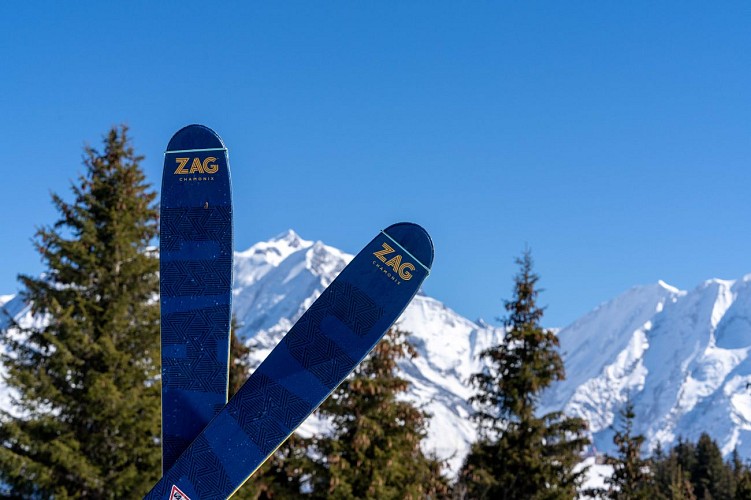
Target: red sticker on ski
[[176, 494]]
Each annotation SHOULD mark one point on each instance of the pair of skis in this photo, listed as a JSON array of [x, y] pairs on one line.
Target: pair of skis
[[211, 447]]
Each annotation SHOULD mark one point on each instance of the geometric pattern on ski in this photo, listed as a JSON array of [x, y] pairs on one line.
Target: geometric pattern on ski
[[195, 248], [329, 340]]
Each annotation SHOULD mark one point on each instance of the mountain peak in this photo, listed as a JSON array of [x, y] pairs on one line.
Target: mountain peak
[[683, 357], [289, 238], [4, 299], [718, 281], [277, 248], [256, 261], [668, 287]]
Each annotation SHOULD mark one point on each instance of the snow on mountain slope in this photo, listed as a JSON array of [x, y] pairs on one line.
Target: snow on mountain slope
[[616, 333], [14, 306], [268, 303], [255, 262], [681, 357], [448, 346]]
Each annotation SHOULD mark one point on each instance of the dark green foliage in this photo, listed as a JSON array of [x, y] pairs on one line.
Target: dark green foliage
[[87, 377], [697, 471], [672, 471], [681, 487], [671, 478], [531, 459], [525, 363], [711, 476], [741, 477], [374, 451], [684, 456], [632, 475], [520, 454]]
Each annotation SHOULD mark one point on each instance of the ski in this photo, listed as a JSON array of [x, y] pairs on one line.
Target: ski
[[322, 348], [195, 248]]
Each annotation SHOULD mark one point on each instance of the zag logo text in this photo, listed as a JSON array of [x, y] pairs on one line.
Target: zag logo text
[[207, 166], [395, 262]]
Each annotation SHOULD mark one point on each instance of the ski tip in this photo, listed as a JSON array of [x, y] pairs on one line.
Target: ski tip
[[189, 137], [414, 239]]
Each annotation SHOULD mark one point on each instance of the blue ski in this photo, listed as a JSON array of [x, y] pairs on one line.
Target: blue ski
[[321, 349], [195, 285]]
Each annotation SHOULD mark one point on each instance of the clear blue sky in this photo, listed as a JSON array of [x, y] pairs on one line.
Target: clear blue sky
[[613, 138]]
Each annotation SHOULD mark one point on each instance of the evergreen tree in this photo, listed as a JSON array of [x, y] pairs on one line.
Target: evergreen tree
[[374, 452], [712, 478], [697, 471], [742, 477], [662, 473], [86, 419], [672, 471], [684, 456], [680, 487], [632, 476], [671, 480], [521, 455]]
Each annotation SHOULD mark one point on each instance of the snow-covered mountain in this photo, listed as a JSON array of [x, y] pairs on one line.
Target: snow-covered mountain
[[276, 281], [681, 357]]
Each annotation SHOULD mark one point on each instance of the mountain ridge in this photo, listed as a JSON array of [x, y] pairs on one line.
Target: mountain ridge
[[681, 356]]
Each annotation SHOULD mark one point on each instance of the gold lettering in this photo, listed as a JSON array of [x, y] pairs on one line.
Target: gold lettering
[[181, 162], [386, 250], [196, 167], [404, 274], [209, 166], [395, 262]]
